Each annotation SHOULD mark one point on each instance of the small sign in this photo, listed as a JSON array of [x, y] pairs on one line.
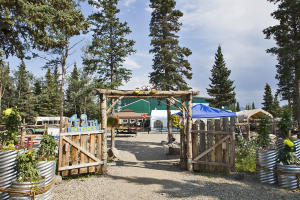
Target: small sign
[[82, 124]]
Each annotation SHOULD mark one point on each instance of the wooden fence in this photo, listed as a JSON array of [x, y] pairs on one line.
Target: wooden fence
[[213, 145], [80, 152]]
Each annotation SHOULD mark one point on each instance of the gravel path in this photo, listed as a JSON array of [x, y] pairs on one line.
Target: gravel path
[[146, 172]]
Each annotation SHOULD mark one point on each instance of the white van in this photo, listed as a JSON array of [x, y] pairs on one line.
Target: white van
[[50, 122]]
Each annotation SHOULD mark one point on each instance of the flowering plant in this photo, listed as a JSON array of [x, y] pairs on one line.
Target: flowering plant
[[27, 166], [12, 120], [287, 155], [48, 148]]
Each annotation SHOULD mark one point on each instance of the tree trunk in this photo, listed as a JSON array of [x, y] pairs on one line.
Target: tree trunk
[[62, 88], [169, 122]]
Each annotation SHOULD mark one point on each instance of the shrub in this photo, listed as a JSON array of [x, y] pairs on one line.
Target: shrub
[[27, 167], [245, 159], [48, 148], [264, 129], [12, 120]]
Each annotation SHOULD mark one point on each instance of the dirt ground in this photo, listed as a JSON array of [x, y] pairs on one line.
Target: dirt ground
[[144, 171]]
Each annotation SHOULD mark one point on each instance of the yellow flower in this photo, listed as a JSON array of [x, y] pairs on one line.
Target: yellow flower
[[29, 153], [7, 111], [288, 142]]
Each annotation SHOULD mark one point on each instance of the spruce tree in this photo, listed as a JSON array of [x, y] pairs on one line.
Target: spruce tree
[[253, 106], [221, 87], [4, 80], [268, 99], [286, 34], [24, 93], [110, 45], [170, 65], [37, 92], [238, 107], [72, 93]]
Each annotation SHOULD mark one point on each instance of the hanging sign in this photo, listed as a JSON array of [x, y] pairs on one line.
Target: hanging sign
[[82, 124]]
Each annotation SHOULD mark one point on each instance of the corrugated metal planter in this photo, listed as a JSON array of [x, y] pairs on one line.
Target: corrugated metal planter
[[297, 146], [26, 186], [7, 170], [267, 159], [287, 181], [279, 143], [47, 170]]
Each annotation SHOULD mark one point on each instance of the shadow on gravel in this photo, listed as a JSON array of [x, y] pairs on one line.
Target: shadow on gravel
[[164, 166], [144, 151], [205, 189]]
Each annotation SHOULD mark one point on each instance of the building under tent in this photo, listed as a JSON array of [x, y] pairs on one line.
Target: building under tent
[[246, 118]]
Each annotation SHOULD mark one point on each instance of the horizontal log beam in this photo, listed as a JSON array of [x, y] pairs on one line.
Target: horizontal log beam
[[133, 93]]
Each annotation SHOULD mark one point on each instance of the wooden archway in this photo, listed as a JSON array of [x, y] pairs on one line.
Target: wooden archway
[[185, 105]]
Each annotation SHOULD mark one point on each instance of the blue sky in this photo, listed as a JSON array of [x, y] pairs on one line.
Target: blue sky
[[234, 24]]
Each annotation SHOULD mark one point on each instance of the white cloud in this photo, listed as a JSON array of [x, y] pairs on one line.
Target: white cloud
[[237, 26], [131, 64], [128, 2], [136, 82]]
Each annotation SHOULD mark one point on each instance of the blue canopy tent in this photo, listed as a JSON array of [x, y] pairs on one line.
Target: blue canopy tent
[[203, 111]]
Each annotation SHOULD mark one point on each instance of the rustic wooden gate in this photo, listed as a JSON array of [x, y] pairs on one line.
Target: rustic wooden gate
[[80, 152], [214, 145]]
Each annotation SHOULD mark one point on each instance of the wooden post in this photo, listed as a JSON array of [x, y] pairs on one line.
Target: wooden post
[[99, 150], [225, 146], [183, 142], [232, 143], [195, 140], [188, 133], [103, 105], [112, 141], [169, 122]]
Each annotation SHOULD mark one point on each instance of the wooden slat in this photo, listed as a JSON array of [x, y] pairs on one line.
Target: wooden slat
[[203, 144], [85, 165], [232, 143], [83, 157], [92, 149], [218, 149], [74, 154], [195, 147], [212, 148], [82, 149], [99, 150], [66, 156]]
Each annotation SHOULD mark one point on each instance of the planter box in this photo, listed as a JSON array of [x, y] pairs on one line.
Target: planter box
[[26, 187], [287, 181], [267, 159], [8, 170], [47, 169]]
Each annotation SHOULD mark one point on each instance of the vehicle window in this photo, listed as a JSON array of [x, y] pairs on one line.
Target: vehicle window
[[51, 122], [39, 123]]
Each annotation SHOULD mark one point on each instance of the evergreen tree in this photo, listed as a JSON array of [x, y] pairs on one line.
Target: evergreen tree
[[109, 46], [238, 107], [286, 34], [221, 87], [268, 99], [4, 80], [170, 65], [286, 81], [72, 93], [37, 91], [24, 93], [247, 107], [276, 107], [253, 106]]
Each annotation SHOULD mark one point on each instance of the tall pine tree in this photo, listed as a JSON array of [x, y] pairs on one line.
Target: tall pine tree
[[4, 80], [110, 45], [238, 107], [170, 65], [24, 93], [221, 87], [287, 36], [268, 99]]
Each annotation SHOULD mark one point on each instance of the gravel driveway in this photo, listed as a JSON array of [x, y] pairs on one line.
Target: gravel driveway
[[144, 171]]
